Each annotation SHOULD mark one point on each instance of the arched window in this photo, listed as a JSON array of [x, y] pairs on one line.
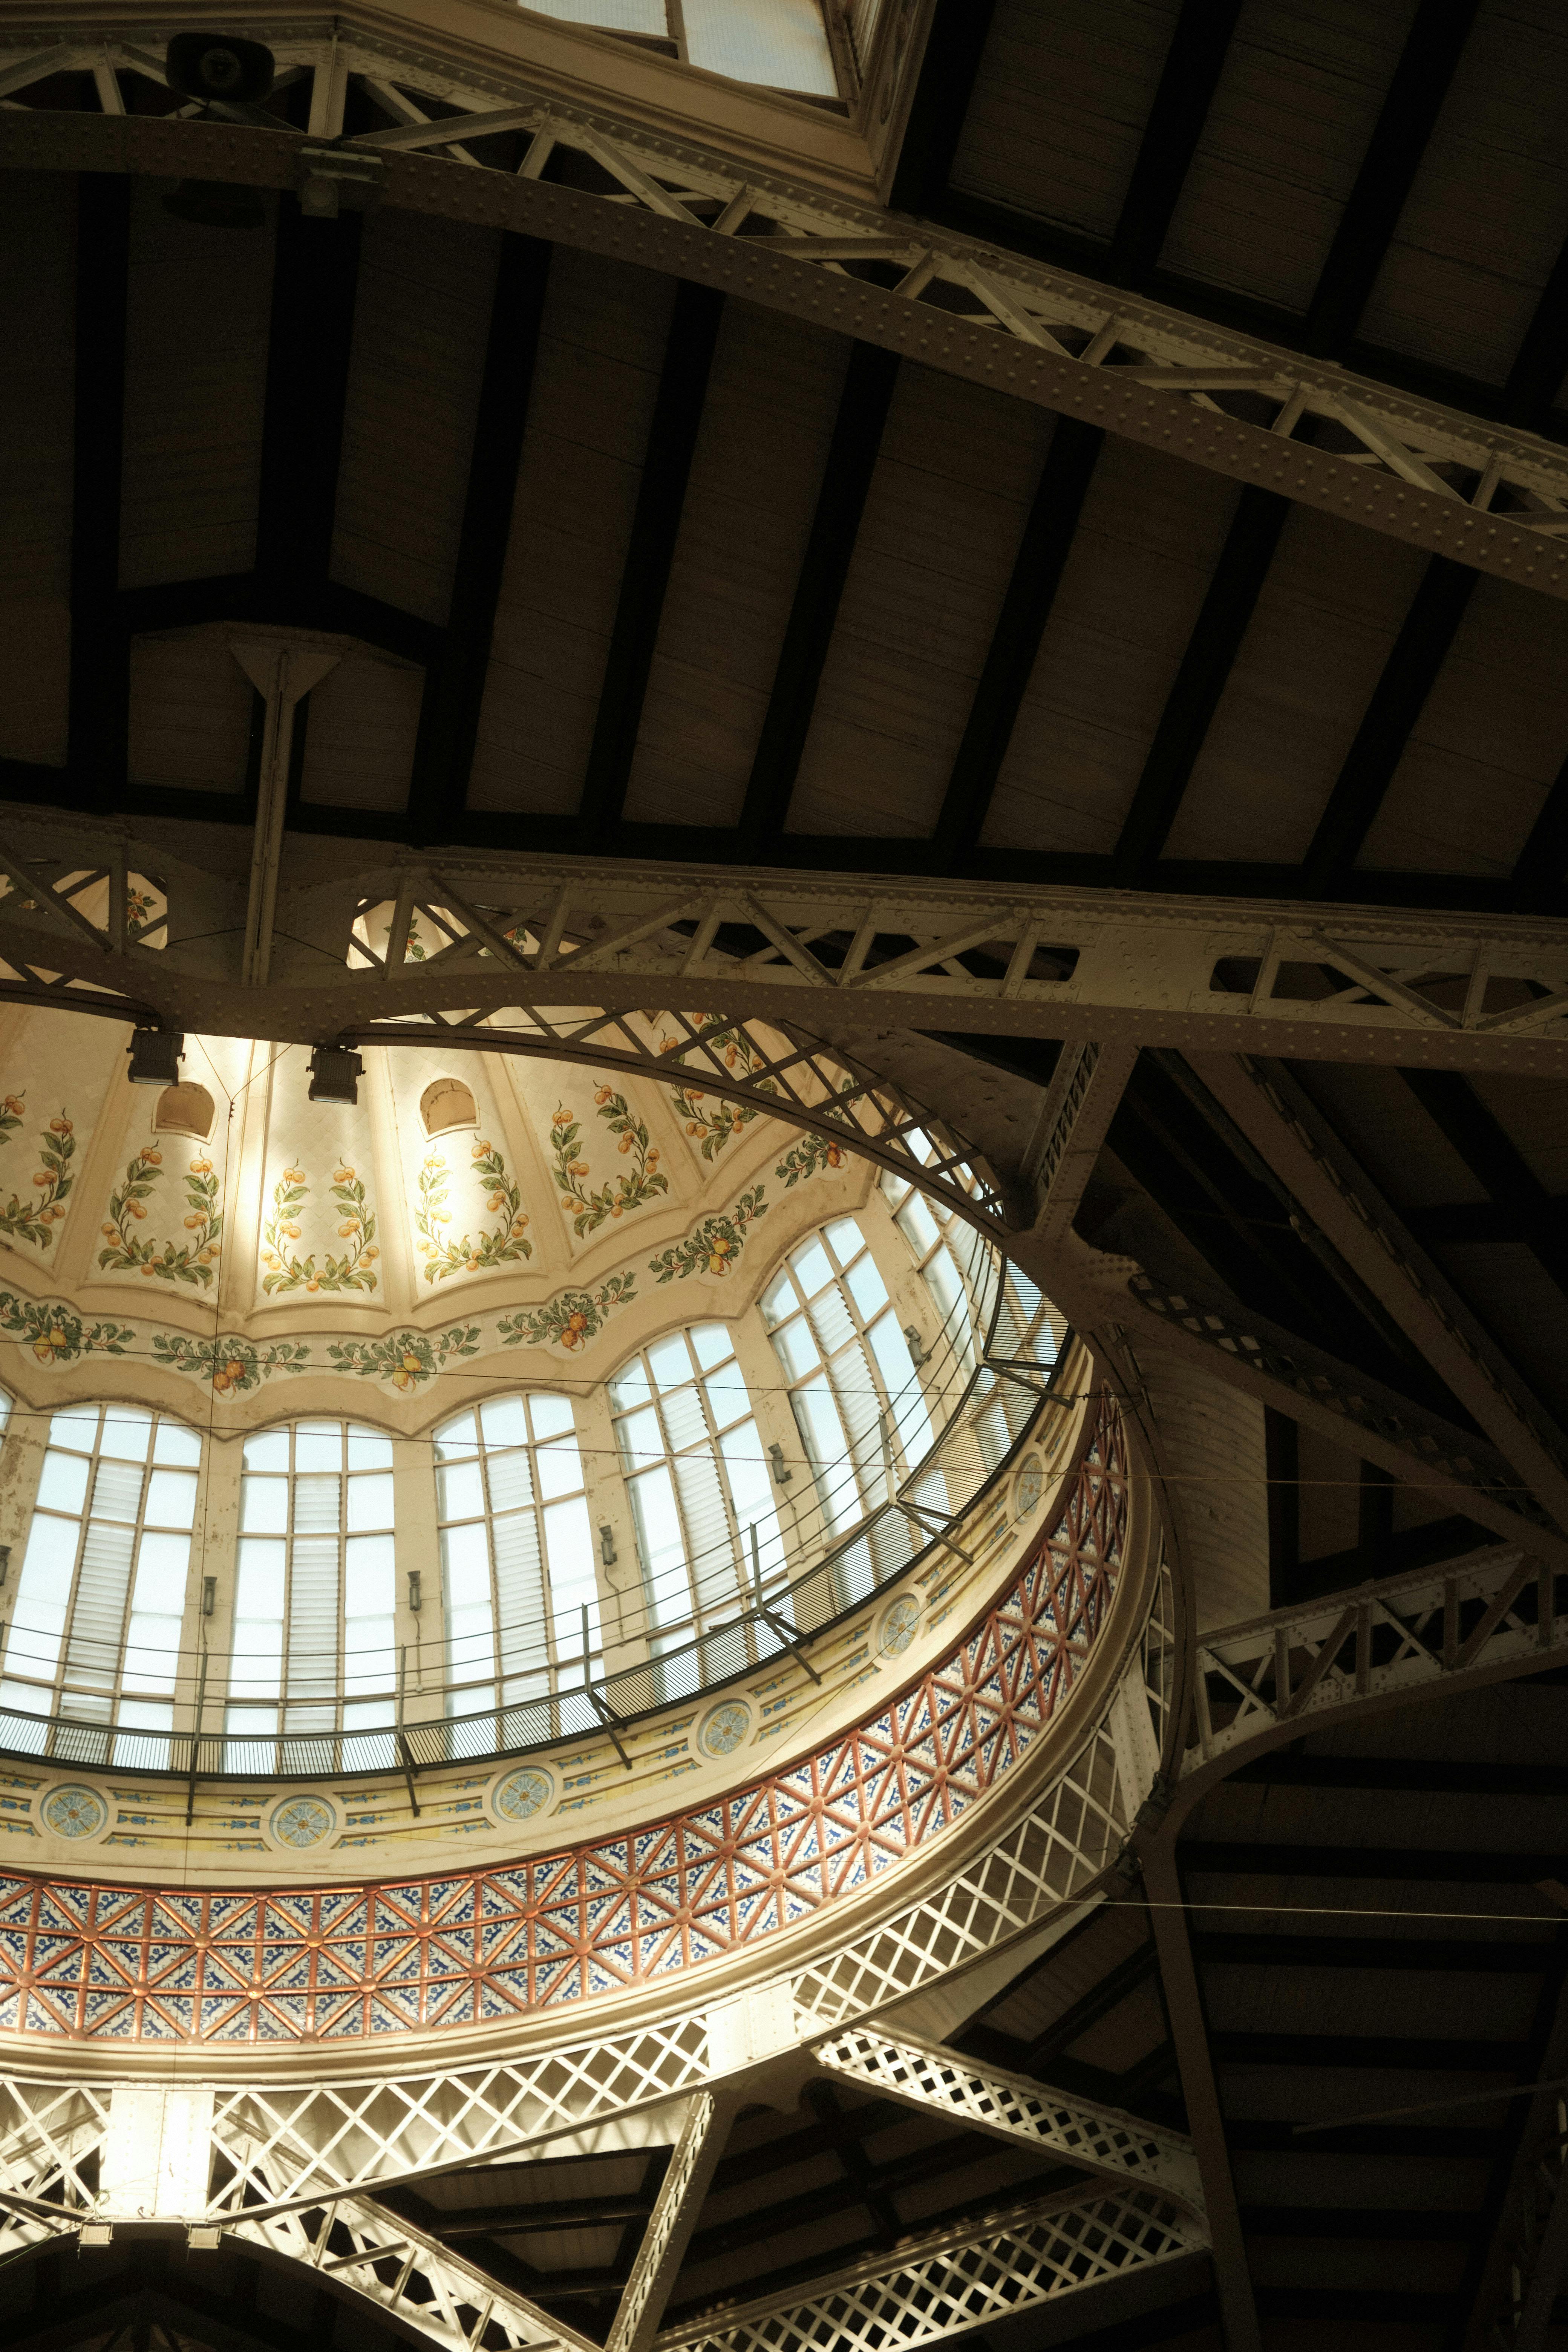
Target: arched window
[[853, 1386], [185, 1109], [517, 1554], [954, 1264], [96, 1633], [948, 1254], [316, 1588], [444, 1104], [697, 1476]]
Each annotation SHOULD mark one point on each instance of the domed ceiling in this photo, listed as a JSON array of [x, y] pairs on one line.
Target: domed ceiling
[[228, 1229]]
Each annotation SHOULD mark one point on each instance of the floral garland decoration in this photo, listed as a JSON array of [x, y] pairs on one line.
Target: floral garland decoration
[[355, 1270], [718, 1125], [233, 1366], [807, 1157], [588, 1209], [572, 1319], [713, 1246], [12, 1107], [406, 1359], [35, 1220], [57, 1335], [506, 1242], [127, 1253]]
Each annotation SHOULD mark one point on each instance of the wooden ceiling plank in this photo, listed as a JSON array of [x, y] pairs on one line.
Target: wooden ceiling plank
[[1494, 1158], [846, 479], [667, 463], [1542, 361], [449, 714], [1016, 641], [1193, 64], [1537, 872], [1420, 83], [100, 671], [1408, 675], [1222, 623]]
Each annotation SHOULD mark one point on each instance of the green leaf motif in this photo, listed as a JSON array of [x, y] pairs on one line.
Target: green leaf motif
[[34, 1219], [354, 1269], [128, 1252], [505, 1245], [570, 1320], [405, 1359], [809, 1157], [55, 1334], [713, 1246], [233, 1366], [633, 1190]]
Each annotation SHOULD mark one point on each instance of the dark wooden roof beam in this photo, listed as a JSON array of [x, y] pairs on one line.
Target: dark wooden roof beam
[[1408, 676], [863, 407], [99, 703], [1016, 641], [1426, 67], [656, 524], [454, 690], [1193, 63], [1495, 1160]]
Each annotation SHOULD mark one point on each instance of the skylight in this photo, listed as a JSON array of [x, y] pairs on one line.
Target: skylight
[[783, 44]]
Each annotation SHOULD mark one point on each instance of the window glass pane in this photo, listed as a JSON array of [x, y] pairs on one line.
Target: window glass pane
[[843, 1238], [263, 1506], [559, 1468], [127, 1433], [178, 1446], [459, 1491], [267, 1450], [811, 1267], [898, 1377], [797, 1349], [659, 1544], [162, 1562], [867, 1287], [259, 1586], [629, 1387], [63, 1485], [75, 1428], [171, 1499], [551, 1416], [369, 1576], [456, 1438], [670, 1362], [726, 1395], [465, 1566], [916, 1225], [369, 1450], [370, 1500], [573, 1586], [778, 1300], [713, 1343], [640, 1439], [504, 1420], [318, 1446]]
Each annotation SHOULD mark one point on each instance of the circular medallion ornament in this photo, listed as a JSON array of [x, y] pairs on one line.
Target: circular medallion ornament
[[75, 1811], [301, 1821], [724, 1728], [518, 1796], [1029, 1486], [901, 1623]]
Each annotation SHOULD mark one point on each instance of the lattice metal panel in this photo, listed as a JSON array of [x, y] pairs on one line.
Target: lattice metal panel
[[1501, 1608], [952, 2282], [1102, 2139]]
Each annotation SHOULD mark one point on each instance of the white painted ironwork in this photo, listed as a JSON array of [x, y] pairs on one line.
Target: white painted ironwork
[[1488, 496], [948, 2282], [1499, 1611], [669, 2228], [986, 2098], [90, 904]]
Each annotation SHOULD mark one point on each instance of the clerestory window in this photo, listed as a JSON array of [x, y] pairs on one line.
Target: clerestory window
[[853, 1387], [701, 1489], [315, 1591], [518, 1581], [95, 1636]]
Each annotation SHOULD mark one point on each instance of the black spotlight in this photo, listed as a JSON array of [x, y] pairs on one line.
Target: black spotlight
[[216, 203], [219, 65], [335, 1073], [155, 1056]]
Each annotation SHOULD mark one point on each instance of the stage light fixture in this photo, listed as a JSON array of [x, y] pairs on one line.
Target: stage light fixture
[[335, 1073], [154, 1057], [222, 68]]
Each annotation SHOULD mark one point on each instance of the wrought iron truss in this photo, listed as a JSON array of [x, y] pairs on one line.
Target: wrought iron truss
[[1487, 496], [1498, 1612], [166, 936]]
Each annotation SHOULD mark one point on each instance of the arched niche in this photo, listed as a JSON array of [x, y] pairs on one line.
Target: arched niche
[[185, 1109], [446, 1104]]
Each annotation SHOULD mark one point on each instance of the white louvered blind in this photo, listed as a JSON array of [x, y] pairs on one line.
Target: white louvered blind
[[96, 1630]]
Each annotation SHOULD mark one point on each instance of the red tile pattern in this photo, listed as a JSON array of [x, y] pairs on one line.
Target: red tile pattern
[[105, 1962]]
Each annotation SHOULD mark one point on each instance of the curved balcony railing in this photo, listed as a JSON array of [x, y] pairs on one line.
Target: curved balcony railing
[[996, 1382]]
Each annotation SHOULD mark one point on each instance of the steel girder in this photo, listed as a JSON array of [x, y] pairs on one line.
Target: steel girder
[[1486, 497], [164, 933]]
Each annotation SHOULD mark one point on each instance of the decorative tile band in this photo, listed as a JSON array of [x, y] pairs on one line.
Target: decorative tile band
[[85, 1961]]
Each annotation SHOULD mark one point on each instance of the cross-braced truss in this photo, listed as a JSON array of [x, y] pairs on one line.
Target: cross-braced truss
[[482, 936], [985, 2098], [1499, 1612], [1490, 497], [950, 2281]]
